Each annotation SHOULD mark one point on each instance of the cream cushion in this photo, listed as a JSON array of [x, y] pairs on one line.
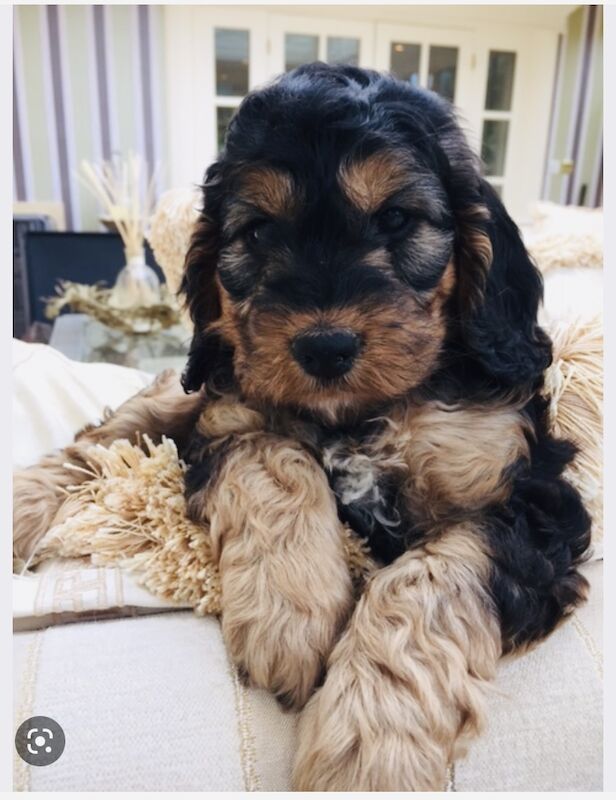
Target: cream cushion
[[151, 702], [53, 397], [148, 704]]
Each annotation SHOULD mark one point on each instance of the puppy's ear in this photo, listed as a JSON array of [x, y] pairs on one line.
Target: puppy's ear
[[198, 284], [499, 291], [201, 296]]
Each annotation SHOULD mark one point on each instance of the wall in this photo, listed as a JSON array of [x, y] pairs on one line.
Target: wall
[[87, 84]]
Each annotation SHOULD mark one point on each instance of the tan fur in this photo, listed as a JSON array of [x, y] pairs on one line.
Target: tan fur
[[271, 190], [474, 255], [406, 334], [447, 282], [38, 491], [370, 182], [233, 317], [279, 545], [406, 684], [460, 459], [456, 459], [449, 460], [379, 258], [228, 416]]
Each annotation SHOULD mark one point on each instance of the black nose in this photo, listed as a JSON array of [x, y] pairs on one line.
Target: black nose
[[326, 354]]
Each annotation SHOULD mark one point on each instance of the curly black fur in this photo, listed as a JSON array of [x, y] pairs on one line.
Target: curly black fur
[[537, 540]]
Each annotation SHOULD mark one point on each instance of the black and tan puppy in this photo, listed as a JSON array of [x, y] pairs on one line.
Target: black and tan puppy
[[366, 351]]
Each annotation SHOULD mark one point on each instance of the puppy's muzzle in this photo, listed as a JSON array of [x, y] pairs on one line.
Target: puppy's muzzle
[[326, 353]]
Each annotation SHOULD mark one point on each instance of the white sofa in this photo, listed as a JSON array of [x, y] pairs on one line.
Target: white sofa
[[148, 699]]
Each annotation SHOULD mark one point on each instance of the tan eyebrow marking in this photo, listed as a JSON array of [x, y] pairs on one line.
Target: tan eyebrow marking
[[271, 190], [368, 183]]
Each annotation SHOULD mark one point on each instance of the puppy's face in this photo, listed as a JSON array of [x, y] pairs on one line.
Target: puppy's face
[[333, 286], [346, 236]]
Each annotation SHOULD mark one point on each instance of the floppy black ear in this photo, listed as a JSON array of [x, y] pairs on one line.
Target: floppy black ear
[[208, 355], [499, 293]]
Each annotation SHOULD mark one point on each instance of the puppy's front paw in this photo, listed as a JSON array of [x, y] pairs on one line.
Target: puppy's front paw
[[407, 682], [358, 733], [334, 739], [280, 637], [286, 588]]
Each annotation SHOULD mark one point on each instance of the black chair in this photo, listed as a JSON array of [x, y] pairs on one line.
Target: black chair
[[78, 257]]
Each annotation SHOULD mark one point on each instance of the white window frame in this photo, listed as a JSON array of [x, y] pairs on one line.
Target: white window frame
[[426, 37], [192, 103], [281, 24], [191, 81], [528, 117]]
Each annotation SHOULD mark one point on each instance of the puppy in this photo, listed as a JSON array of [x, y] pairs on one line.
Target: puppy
[[366, 352]]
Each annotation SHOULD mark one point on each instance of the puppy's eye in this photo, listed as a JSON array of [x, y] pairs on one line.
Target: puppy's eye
[[392, 219], [257, 232]]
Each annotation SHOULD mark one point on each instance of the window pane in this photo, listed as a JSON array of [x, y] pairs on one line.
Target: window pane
[[231, 61], [500, 81], [404, 61], [223, 118], [494, 145], [299, 49], [442, 71], [342, 51]]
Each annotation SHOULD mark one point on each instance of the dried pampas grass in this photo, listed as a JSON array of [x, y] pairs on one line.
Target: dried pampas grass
[[574, 384], [132, 513], [95, 301], [170, 230], [127, 195], [564, 250]]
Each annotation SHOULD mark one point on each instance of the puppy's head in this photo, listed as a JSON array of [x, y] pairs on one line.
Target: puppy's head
[[346, 237]]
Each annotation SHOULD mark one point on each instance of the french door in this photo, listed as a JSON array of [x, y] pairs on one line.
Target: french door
[[439, 60], [484, 76], [444, 61], [499, 78], [300, 40]]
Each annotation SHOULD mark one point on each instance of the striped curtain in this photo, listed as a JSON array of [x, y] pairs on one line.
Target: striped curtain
[[87, 83]]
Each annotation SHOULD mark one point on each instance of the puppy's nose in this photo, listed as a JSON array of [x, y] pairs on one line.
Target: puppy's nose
[[326, 354]]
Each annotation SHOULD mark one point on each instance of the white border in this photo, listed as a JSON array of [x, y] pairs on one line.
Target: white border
[[609, 600], [6, 716]]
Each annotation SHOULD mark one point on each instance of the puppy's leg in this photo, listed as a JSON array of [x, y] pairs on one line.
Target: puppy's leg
[[161, 408], [406, 683], [286, 588]]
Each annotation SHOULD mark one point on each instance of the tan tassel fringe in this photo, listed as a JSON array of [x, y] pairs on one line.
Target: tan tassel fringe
[[132, 514]]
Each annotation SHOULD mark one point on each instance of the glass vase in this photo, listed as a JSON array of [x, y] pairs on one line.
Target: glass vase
[[136, 285]]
